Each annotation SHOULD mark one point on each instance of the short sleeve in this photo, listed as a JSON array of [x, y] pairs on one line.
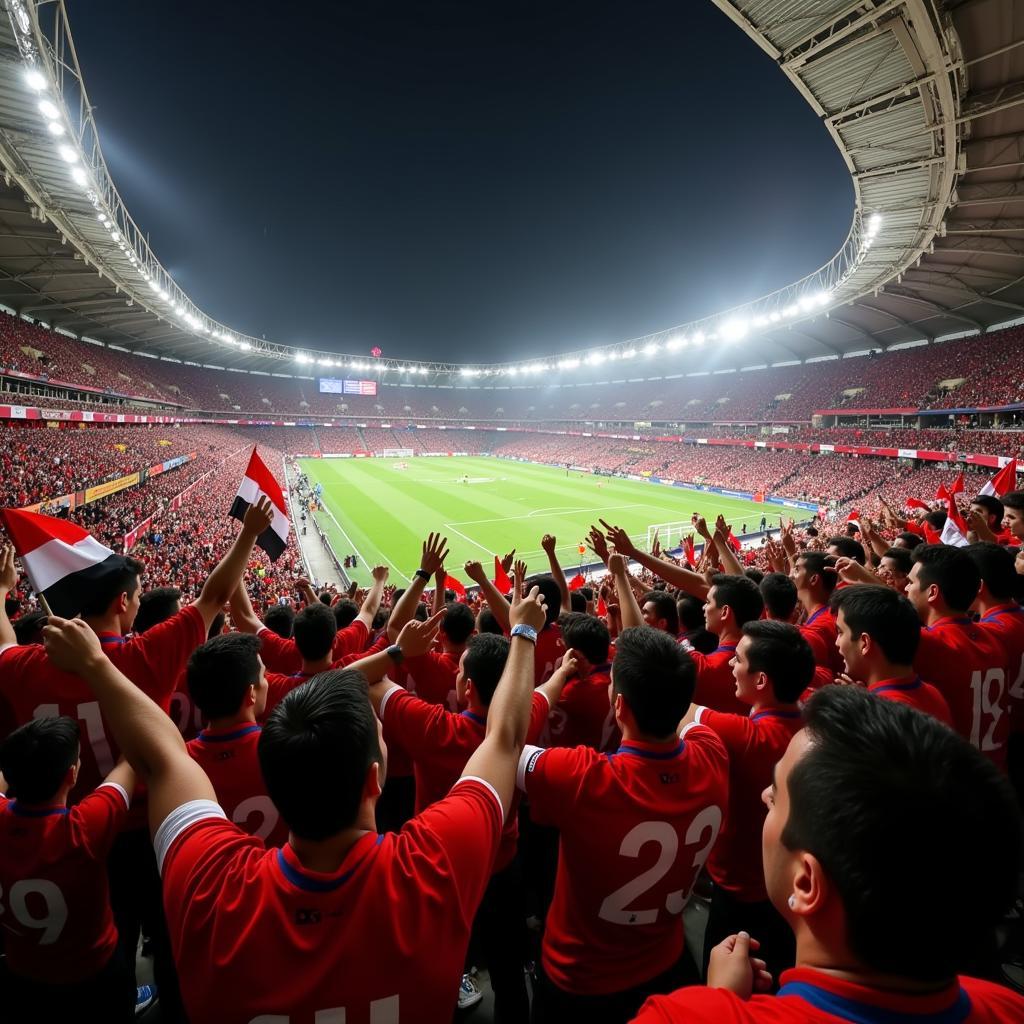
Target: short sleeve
[[704, 742], [179, 820], [278, 654], [539, 711], [98, 818], [416, 726], [351, 640], [696, 1004], [551, 780], [155, 660], [735, 731]]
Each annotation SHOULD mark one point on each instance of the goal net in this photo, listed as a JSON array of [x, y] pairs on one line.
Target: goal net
[[670, 535], [397, 453]]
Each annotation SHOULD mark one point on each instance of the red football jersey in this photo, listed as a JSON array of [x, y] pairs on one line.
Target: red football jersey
[[636, 827], [808, 996], [967, 665], [547, 653], [279, 686], [185, 715], [432, 677], [382, 643], [583, 716], [229, 758], [382, 938], [716, 685], [54, 900], [918, 694], [440, 742], [755, 743], [820, 632], [280, 655], [31, 686], [1006, 624]]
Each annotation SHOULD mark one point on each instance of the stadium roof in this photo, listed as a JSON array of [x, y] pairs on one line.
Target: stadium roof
[[924, 100]]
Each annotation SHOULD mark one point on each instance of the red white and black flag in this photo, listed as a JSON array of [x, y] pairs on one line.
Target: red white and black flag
[[259, 482], [63, 562]]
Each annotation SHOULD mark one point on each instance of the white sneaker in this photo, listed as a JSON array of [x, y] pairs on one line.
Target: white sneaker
[[469, 992]]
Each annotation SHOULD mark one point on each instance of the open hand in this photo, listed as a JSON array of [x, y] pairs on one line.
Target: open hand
[[434, 553], [259, 517], [620, 538], [528, 610], [417, 637], [8, 573]]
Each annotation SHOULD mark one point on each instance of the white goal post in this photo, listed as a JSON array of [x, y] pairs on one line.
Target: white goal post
[[396, 453], [670, 535]]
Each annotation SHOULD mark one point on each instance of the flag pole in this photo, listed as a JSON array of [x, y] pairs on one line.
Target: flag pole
[[45, 604]]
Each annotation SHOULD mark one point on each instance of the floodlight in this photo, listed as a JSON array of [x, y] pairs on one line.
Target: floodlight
[[55, 128], [79, 176], [48, 110], [35, 80], [67, 154], [115, 235], [698, 338], [629, 353], [244, 346]]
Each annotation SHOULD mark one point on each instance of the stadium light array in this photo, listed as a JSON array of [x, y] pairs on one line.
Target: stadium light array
[[35, 80]]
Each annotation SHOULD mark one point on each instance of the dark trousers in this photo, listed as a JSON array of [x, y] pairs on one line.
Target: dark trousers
[[108, 996], [760, 919], [500, 934], [538, 847], [553, 1005], [136, 898], [397, 803]]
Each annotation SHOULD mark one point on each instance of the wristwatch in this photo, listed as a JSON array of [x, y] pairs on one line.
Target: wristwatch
[[423, 574], [394, 652], [524, 630]]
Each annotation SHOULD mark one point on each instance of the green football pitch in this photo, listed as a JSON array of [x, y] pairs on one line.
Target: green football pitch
[[486, 506]]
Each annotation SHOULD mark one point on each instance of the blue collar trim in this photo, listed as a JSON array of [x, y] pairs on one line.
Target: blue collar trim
[[775, 713], [224, 737], [30, 812], [301, 880], [864, 1013], [914, 684], [654, 755], [473, 717]]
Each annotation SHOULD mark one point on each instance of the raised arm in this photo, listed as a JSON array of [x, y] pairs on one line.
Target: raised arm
[[146, 735], [685, 579], [631, 613], [242, 614], [552, 689], [439, 588], [434, 553], [415, 639], [547, 542], [226, 576], [305, 588], [8, 581], [508, 719], [494, 598], [372, 600]]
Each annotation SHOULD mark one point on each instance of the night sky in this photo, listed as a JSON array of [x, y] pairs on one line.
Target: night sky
[[466, 181]]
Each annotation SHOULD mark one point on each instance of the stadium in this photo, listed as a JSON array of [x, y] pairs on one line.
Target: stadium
[[769, 487]]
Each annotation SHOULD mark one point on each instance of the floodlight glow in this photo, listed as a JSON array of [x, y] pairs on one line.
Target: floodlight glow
[[649, 350], [35, 80], [613, 355], [775, 316], [793, 310], [698, 338], [244, 346], [115, 235], [67, 154], [629, 353], [672, 344], [48, 110], [735, 329], [163, 294], [154, 286], [79, 176], [596, 358], [178, 310], [513, 370], [874, 223], [55, 128], [102, 218]]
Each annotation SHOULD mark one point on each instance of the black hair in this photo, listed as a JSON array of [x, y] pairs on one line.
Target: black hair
[[1014, 500], [314, 630], [220, 671], [740, 594], [936, 519], [29, 628], [35, 758], [816, 563], [345, 612], [217, 625], [577, 602], [458, 622], [779, 594], [992, 505], [903, 558], [280, 619], [848, 548], [324, 732], [486, 655], [588, 635], [754, 574], [156, 606], [588, 594], [655, 677], [486, 622], [886, 616], [325, 598], [691, 611], [997, 568], [780, 651], [552, 596], [880, 776], [910, 538], [664, 608], [952, 570], [104, 591]]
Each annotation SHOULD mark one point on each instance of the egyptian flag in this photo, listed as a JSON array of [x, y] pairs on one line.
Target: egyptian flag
[[501, 581], [63, 562], [259, 482], [1003, 482], [917, 503], [954, 531], [734, 542]]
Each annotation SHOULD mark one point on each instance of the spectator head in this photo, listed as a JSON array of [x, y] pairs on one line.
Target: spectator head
[[217, 625], [324, 730], [457, 624], [1013, 513], [280, 619], [345, 612], [943, 581], [652, 683], [773, 663], [814, 574], [846, 547], [936, 519], [991, 508], [660, 612], [691, 612], [485, 622], [225, 675], [552, 596], [115, 594], [895, 565], [577, 602], [778, 592], [156, 606], [588, 636], [754, 574], [313, 632], [866, 777], [325, 598], [878, 631], [907, 540], [39, 760], [29, 628], [732, 602], [480, 668], [998, 571]]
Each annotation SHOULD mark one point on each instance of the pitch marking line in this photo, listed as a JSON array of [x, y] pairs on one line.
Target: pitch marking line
[[358, 552], [565, 510], [449, 526]]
